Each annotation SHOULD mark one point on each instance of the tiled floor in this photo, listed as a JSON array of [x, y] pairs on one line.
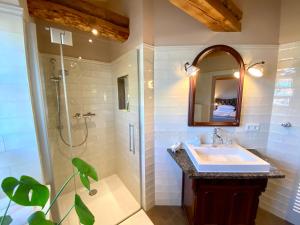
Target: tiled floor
[[140, 218], [171, 215]]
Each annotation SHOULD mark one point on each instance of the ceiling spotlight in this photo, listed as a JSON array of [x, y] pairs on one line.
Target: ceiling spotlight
[[91, 40], [190, 69], [256, 69], [95, 32]]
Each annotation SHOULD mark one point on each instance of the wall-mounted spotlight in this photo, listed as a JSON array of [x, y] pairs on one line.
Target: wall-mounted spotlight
[[236, 74], [190, 69], [256, 69]]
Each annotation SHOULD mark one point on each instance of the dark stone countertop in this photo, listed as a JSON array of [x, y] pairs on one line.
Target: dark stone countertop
[[183, 160]]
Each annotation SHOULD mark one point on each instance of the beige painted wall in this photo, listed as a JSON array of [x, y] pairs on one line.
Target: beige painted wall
[[148, 26], [159, 22], [289, 22], [140, 13], [260, 25], [134, 10]]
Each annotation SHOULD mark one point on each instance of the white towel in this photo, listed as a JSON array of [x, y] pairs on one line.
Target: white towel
[[176, 147]]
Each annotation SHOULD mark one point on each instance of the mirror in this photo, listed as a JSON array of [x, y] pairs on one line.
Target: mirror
[[216, 90]]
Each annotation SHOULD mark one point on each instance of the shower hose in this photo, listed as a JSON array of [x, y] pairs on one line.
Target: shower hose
[[60, 123]]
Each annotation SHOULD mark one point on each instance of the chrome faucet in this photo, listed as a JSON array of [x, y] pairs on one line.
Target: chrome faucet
[[217, 138]]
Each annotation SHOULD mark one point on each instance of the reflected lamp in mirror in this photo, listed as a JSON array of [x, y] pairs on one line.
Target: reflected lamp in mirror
[[190, 69], [256, 69], [216, 89]]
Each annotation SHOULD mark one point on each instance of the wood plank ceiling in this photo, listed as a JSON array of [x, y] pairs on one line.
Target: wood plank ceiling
[[217, 15], [83, 15]]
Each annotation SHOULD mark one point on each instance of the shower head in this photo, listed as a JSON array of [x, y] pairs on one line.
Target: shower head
[[93, 192]]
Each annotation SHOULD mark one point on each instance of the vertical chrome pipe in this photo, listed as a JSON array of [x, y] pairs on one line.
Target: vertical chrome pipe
[[66, 102], [65, 91]]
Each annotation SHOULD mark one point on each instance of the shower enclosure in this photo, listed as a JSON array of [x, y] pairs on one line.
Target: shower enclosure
[[83, 119]]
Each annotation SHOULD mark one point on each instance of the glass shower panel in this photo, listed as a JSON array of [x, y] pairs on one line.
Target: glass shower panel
[[102, 134], [60, 151]]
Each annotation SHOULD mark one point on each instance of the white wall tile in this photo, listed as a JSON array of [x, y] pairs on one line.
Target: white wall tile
[[18, 145], [147, 120], [283, 143], [90, 89], [127, 163]]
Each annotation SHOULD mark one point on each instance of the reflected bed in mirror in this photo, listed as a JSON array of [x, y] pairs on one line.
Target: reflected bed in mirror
[[216, 90]]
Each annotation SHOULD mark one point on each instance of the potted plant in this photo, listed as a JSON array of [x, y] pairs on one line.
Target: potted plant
[[27, 192]]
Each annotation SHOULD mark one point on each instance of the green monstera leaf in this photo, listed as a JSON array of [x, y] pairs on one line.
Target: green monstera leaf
[[84, 214], [26, 191], [5, 220], [85, 171], [39, 218]]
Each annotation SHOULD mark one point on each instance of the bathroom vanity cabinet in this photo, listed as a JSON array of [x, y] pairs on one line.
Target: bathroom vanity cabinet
[[221, 201], [221, 198]]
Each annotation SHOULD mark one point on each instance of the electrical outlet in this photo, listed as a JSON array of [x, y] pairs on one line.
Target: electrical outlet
[[252, 127]]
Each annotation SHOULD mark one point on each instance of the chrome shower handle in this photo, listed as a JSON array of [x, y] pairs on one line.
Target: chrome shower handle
[[88, 115], [286, 124], [131, 139]]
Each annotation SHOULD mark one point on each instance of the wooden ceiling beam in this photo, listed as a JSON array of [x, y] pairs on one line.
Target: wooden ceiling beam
[[91, 8], [233, 8], [80, 20], [213, 13]]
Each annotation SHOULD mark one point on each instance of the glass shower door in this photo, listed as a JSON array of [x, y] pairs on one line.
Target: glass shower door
[[107, 137], [60, 126]]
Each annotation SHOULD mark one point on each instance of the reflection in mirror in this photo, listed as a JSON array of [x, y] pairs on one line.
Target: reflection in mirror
[[216, 88]]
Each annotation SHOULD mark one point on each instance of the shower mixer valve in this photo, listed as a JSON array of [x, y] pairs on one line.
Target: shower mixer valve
[[86, 115]]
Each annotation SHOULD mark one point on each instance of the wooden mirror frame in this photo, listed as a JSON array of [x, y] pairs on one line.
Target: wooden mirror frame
[[193, 80]]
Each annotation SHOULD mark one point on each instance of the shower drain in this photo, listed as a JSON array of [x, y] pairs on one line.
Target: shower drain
[[93, 192]]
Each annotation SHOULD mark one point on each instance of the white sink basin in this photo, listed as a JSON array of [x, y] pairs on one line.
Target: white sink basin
[[226, 159]]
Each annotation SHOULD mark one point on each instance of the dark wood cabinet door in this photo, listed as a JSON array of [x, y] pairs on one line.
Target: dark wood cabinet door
[[222, 202], [240, 207], [210, 208]]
